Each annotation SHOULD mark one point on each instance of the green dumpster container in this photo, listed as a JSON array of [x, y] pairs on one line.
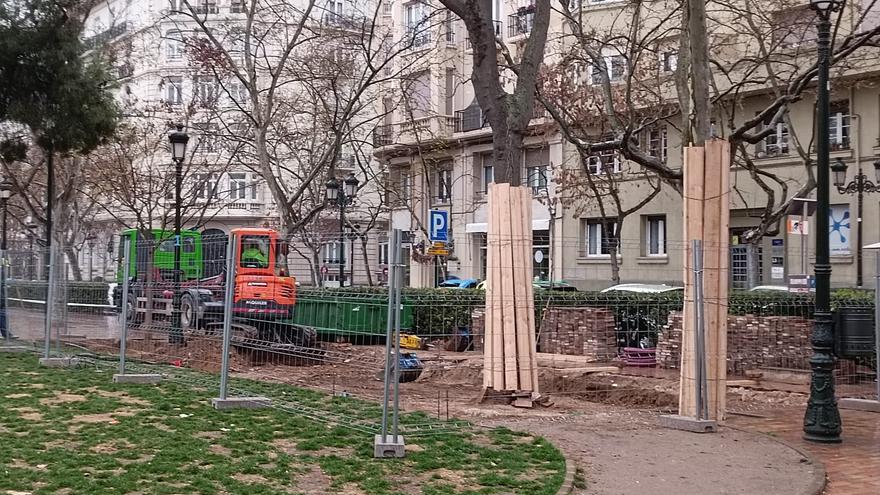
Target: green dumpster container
[[338, 313]]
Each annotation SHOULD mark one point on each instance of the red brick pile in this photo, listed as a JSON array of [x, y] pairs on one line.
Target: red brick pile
[[752, 342], [579, 331]]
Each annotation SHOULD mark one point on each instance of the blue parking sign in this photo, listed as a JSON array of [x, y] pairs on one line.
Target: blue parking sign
[[438, 222]]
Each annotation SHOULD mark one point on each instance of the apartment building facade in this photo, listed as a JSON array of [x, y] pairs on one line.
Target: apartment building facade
[[156, 57], [435, 147]]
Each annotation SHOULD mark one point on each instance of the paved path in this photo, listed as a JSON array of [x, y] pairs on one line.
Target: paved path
[[853, 466], [626, 453]]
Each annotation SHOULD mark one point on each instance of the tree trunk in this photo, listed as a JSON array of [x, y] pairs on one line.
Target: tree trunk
[[75, 270], [366, 257], [700, 114]]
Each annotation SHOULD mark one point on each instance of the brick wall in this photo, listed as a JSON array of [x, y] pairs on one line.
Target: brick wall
[[574, 331], [752, 342]]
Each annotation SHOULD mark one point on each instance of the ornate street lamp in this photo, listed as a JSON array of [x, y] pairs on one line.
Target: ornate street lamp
[[341, 193], [178, 140], [5, 194], [822, 418]]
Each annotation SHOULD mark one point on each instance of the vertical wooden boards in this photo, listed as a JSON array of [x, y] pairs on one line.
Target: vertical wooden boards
[[528, 269], [508, 291], [694, 169], [489, 328], [509, 357], [522, 271], [717, 236], [707, 217]]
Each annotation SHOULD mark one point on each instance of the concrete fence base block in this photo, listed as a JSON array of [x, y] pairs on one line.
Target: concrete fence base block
[[685, 423], [59, 362], [138, 379], [387, 447], [860, 404], [14, 349], [241, 403]]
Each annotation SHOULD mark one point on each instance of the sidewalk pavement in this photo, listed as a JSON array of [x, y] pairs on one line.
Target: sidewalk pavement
[[852, 466]]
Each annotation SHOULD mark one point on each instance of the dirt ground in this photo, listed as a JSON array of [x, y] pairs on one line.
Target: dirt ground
[[605, 422]]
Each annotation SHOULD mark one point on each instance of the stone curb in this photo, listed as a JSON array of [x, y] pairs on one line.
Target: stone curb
[[567, 483], [817, 485]]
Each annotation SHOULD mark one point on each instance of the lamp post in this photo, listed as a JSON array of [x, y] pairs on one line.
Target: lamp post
[[178, 140], [32, 236], [5, 194], [822, 418], [341, 193], [858, 186]]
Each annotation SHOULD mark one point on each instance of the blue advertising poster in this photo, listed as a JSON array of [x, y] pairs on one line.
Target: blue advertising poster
[[839, 230]]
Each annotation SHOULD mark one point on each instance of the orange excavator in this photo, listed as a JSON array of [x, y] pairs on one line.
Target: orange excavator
[[264, 291]]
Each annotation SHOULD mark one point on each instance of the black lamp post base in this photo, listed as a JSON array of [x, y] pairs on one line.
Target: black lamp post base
[[822, 419]]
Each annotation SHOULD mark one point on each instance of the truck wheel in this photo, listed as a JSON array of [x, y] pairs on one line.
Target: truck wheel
[[305, 337], [188, 314]]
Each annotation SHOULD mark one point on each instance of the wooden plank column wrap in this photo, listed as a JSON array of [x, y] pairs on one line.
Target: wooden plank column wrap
[[706, 217], [509, 355]]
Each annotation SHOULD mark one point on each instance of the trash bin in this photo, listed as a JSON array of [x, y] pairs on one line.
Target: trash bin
[[854, 332]]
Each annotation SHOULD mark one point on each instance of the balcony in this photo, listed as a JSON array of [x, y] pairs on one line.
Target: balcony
[[470, 119], [113, 32], [419, 36], [426, 129], [342, 21], [382, 135], [522, 22], [498, 31]]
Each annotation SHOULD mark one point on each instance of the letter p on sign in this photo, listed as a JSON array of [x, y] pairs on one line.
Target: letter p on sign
[[439, 225]]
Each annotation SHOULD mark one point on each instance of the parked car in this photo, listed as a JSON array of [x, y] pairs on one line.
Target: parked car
[[769, 288], [459, 283], [643, 288], [560, 285]]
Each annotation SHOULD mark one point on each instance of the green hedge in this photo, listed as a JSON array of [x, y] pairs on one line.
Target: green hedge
[[639, 317], [77, 292]]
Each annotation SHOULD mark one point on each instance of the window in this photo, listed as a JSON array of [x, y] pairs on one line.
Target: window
[[536, 162], [615, 64], [333, 252], [776, 143], [522, 21], [238, 185], [419, 98], [206, 89], [669, 61], [537, 178], [416, 23], [838, 125], [449, 27], [237, 7], [383, 253], [604, 162], [238, 93], [444, 185], [793, 27], [205, 7], [655, 235], [206, 186], [450, 91], [488, 173], [173, 45], [599, 237], [174, 90], [386, 9], [541, 254], [255, 251], [209, 136], [657, 144]]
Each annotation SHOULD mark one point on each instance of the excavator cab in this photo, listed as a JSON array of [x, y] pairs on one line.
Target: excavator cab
[[263, 285]]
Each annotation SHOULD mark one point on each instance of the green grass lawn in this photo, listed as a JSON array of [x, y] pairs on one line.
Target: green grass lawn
[[75, 432]]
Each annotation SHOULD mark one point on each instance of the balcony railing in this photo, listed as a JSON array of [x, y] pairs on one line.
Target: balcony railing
[[470, 119], [106, 35], [382, 135], [342, 21], [420, 36], [498, 30], [522, 22]]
